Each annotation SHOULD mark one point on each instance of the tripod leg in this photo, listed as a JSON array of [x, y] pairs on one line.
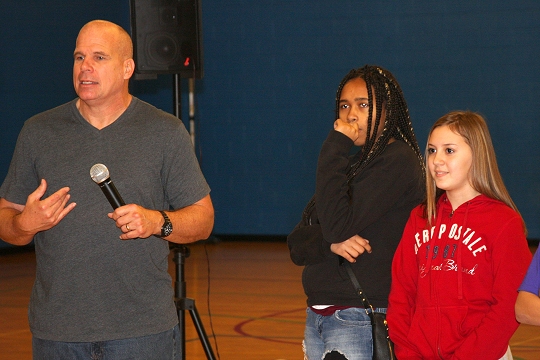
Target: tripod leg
[[183, 303], [190, 305], [180, 253], [182, 328]]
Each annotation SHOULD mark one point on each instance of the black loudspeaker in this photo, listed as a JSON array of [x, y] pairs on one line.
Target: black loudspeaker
[[167, 37]]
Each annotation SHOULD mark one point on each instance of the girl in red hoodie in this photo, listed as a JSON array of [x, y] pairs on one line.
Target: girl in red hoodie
[[463, 253]]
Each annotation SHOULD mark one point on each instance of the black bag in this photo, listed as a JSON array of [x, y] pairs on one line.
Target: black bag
[[383, 348]]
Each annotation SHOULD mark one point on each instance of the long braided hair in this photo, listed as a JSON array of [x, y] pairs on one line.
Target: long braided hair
[[385, 90]]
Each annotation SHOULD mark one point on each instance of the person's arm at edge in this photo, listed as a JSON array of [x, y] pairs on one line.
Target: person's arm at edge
[[528, 308]]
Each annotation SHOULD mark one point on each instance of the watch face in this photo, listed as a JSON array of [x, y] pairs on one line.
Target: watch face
[[167, 229]]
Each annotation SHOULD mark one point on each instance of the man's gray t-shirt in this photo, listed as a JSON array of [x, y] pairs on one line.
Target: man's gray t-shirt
[[90, 285]]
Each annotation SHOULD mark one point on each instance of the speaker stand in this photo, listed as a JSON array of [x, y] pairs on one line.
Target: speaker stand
[[181, 252], [177, 94]]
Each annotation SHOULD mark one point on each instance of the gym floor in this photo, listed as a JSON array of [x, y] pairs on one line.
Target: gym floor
[[253, 291]]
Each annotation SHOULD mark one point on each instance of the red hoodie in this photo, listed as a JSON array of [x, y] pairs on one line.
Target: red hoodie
[[454, 287]]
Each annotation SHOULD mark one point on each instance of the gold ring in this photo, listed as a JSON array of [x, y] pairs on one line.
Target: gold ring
[[127, 227]]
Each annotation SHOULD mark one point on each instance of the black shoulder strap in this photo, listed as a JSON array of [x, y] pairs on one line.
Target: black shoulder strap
[[357, 286]]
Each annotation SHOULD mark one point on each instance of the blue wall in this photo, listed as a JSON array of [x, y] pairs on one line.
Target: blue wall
[[266, 101]]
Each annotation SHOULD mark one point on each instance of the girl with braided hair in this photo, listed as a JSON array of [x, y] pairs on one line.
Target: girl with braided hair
[[357, 214], [463, 253]]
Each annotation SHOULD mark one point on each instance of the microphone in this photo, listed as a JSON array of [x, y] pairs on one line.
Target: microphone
[[100, 174]]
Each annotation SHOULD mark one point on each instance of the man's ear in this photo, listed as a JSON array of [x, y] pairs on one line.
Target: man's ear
[[129, 68]]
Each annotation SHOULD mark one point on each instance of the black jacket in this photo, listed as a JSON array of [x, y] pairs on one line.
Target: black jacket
[[375, 206]]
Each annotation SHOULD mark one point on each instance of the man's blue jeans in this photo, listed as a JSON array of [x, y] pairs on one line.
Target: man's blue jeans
[[162, 346], [347, 332]]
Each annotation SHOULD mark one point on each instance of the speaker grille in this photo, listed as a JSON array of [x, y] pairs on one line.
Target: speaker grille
[[162, 49], [167, 37]]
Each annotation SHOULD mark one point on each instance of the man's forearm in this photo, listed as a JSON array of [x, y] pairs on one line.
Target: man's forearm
[[10, 231], [192, 223]]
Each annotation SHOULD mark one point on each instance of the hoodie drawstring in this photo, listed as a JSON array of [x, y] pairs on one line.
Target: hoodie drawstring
[[460, 245], [438, 222]]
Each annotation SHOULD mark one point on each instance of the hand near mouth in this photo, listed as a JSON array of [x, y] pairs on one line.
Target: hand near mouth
[[351, 131]]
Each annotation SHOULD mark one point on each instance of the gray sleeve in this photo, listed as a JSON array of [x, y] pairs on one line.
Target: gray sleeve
[[184, 183]]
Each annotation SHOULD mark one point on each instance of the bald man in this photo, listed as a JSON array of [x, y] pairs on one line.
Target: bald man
[[102, 288]]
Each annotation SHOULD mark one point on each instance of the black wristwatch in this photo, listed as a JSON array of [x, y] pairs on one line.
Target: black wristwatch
[[166, 229]]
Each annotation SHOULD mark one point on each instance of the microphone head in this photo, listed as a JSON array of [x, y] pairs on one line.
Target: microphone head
[[99, 173]]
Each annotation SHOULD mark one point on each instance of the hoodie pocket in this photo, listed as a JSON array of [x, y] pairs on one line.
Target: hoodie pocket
[[437, 330]]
